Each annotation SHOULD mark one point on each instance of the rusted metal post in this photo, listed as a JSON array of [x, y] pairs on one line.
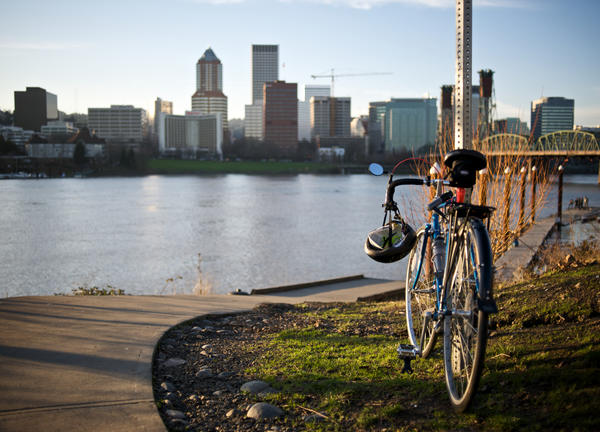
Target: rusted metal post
[[533, 185], [483, 185], [560, 197], [506, 204], [522, 181]]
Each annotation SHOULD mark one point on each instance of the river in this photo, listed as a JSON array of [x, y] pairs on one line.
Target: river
[[145, 235]]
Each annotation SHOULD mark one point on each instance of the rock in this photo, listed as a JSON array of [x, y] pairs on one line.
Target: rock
[[263, 410], [223, 375], [175, 414], [219, 392], [172, 362], [254, 387], [204, 373], [267, 391], [204, 353], [231, 413], [167, 402], [313, 418], [167, 386], [207, 346]]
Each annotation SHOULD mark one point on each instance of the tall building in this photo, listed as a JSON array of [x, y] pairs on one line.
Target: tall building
[[192, 135], [119, 123], [161, 106], [281, 115], [330, 116], [410, 124], [34, 107], [551, 114], [265, 68], [209, 97], [446, 120], [511, 125], [304, 108]]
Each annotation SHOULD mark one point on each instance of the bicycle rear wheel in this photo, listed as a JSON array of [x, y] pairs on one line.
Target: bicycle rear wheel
[[465, 330], [420, 295]]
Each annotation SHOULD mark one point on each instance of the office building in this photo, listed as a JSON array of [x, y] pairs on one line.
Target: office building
[[59, 128], [16, 135], [56, 148], [410, 124], [304, 108], [551, 114], [511, 125], [119, 123], [265, 68], [193, 135], [34, 107], [209, 97], [330, 116], [281, 115], [161, 106]]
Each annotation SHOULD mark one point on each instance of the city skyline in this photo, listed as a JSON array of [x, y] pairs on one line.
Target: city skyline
[[133, 52]]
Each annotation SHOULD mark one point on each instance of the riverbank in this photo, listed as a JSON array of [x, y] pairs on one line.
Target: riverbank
[[172, 166], [334, 366]]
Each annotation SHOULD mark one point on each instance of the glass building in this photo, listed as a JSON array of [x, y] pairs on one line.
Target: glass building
[[551, 114]]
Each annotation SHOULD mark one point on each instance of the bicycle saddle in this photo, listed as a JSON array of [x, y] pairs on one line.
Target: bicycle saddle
[[464, 165]]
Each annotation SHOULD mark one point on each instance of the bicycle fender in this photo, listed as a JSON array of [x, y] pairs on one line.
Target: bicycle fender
[[485, 298]]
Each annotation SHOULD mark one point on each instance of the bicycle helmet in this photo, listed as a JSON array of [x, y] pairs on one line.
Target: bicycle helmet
[[379, 247]]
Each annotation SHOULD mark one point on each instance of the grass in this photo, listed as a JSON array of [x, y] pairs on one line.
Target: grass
[[172, 166], [541, 371]]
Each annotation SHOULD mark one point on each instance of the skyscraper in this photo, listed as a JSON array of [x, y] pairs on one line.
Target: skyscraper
[[209, 97], [410, 124], [265, 68], [34, 107], [551, 114], [330, 116], [161, 106], [281, 115], [304, 108]]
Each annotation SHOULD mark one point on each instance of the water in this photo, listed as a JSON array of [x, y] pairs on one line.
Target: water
[[251, 231]]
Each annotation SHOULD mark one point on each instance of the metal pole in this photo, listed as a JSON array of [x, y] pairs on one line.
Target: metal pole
[[506, 204], [522, 181], [560, 197], [463, 126], [533, 180]]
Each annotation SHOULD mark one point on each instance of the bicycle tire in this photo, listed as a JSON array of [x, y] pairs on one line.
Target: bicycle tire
[[420, 296], [465, 331]]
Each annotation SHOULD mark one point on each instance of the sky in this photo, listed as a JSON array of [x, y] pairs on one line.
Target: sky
[[129, 52]]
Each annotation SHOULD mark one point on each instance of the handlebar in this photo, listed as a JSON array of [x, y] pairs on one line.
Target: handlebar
[[389, 195]]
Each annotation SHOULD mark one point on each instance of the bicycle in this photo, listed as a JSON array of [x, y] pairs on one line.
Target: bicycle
[[449, 274]]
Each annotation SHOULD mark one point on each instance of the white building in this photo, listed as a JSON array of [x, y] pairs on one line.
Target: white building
[[119, 123], [330, 116], [304, 108], [61, 150], [192, 135], [253, 124], [161, 106], [59, 128], [16, 134]]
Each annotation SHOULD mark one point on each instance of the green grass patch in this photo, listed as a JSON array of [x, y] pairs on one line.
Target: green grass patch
[[174, 166], [541, 372]]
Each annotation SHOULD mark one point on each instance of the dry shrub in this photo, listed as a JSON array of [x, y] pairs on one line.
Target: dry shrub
[[560, 256], [506, 157]]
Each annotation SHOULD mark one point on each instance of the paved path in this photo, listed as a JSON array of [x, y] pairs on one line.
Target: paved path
[[510, 265], [84, 363]]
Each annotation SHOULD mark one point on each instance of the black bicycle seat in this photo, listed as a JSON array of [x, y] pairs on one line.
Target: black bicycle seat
[[464, 165]]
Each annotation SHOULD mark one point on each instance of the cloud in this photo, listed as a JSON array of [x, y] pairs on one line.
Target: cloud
[[219, 2], [40, 46]]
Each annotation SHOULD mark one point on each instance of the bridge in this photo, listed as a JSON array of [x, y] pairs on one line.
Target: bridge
[[564, 143], [560, 144]]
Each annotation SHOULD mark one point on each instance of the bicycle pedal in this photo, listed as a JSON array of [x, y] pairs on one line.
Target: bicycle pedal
[[407, 351], [487, 305]]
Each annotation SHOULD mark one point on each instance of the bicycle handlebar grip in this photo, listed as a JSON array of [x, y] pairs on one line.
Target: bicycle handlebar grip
[[439, 200], [400, 182]]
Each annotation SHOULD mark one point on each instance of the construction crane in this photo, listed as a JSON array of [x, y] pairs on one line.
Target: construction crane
[[333, 76]]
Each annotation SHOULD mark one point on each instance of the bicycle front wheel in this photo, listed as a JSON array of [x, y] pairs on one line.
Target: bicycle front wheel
[[420, 296], [465, 328]]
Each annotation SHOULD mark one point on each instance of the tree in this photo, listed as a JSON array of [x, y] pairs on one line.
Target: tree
[[79, 153]]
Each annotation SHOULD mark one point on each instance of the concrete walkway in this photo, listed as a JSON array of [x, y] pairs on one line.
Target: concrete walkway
[[510, 265], [84, 363]]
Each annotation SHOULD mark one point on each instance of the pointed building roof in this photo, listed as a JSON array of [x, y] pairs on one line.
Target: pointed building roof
[[209, 56]]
